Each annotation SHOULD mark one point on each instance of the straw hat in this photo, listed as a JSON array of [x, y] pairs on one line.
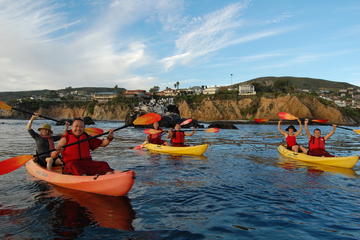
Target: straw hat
[[45, 126]]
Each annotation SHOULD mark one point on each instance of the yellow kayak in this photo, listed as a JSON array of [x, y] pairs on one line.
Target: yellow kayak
[[191, 150], [345, 162]]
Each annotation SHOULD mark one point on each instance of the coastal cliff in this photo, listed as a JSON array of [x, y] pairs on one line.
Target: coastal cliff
[[205, 109]]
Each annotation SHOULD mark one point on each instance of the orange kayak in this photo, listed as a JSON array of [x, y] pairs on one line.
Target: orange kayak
[[117, 184]]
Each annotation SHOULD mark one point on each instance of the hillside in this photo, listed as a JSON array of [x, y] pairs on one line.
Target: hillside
[[301, 83]]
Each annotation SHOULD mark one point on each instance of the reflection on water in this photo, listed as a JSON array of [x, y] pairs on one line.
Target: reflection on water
[[241, 189]]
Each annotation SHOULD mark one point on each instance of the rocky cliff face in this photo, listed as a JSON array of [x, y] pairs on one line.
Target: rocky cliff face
[[209, 110], [304, 107]]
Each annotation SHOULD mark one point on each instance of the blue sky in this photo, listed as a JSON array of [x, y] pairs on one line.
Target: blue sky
[[137, 44]]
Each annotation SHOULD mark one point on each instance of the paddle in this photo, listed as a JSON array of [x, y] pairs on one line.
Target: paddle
[[261, 120], [187, 121], [14, 163], [90, 131], [209, 130]]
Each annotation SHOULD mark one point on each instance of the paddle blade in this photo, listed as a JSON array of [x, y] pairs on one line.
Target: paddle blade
[[320, 120], [187, 121], [261, 120], [147, 119], [212, 130], [286, 116], [357, 131], [139, 147], [94, 131], [4, 106], [14, 163], [152, 131]]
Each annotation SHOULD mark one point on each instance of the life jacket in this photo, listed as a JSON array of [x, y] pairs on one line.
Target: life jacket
[[178, 137], [80, 151], [316, 143], [155, 138], [291, 141]]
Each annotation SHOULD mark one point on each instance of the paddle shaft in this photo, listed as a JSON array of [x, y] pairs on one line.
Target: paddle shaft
[[346, 128], [84, 140], [31, 113]]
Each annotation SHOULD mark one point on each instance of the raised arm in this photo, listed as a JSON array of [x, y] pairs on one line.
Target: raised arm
[[108, 139], [59, 148], [190, 133], [330, 133], [280, 130], [29, 124], [300, 129]]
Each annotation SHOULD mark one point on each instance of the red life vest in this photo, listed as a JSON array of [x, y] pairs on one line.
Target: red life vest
[[79, 151], [291, 141], [178, 137], [316, 143], [155, 138]]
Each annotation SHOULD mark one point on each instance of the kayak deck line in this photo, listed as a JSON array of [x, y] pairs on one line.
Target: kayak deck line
[[344, 162]]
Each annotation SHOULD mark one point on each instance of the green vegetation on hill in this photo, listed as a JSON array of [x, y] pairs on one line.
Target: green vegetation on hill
[[268, 84]]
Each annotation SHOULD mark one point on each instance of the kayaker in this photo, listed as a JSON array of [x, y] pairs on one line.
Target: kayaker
[[44, 142], [317, 142], [290, 137], [177, 137], [77, 158], [156, 138]]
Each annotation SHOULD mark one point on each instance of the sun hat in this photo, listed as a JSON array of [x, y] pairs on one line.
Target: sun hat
[[45, 126], [291, 126]]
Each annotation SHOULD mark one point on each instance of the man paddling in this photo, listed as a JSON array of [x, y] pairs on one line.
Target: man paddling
[[177, 137], [290, 137], [77, 158], [317, 142], [44, 142]]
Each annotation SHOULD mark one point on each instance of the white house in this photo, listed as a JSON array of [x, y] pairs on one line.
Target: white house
[[247, 90], [211, 90]]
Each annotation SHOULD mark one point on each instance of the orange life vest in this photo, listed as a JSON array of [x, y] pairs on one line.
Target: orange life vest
[[178, 137]]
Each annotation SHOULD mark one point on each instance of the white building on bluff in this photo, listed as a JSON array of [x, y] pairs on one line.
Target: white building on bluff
[[247, 90], [211, 90]]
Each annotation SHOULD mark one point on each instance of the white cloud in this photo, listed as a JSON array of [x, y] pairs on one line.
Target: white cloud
[[41, 48]]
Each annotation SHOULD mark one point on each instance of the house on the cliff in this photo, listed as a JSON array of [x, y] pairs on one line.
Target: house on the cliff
[[247, 90], [103, 96]]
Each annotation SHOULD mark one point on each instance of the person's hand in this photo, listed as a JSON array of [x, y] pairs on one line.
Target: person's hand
[[67, 124], [110, 136], [34, 116], [334, 126], [306, 121]]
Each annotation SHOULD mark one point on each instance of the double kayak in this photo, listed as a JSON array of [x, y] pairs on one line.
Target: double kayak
[[188, 150], [116, 184], [345, 162]]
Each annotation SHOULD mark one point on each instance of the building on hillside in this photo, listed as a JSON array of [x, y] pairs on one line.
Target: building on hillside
[[135, 93], [103, 96], [197, 90], [211, 90], [168, 92], [247, 90], [340, 103]]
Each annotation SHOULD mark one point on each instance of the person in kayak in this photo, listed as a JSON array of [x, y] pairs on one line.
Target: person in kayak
[[177, 137], [290, 137], [156, 138], [77, 158], [317, 142], [44, 142]]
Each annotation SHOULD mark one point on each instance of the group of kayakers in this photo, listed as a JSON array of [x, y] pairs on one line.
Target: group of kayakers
[[176, 136], [316, 143]]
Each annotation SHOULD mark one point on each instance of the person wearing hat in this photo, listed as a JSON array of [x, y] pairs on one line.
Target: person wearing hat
[[317, 142], [156, 137], [290, 135], [44, 142], [177, 137]]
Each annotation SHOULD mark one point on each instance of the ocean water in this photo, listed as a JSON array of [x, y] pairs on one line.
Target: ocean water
[[240, 189]]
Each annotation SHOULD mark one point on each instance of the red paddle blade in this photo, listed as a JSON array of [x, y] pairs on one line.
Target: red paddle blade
[[4, 106], [147, 119], [138, 147], [212, 130], [286, 116], [94, 131], [14, 163], [320, 120], [151, 131], [187, 121], [261, 120]]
